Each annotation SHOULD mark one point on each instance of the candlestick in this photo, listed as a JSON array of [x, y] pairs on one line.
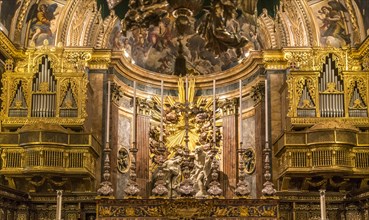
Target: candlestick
[[134, 114], [160, 188], [108, 113], [132, 187], [323, 211], [59, 194], [161, 111], [266, 113], [214, 108], [268, 189], [240, 128], [186, 89], [346, 60], [105, 186]]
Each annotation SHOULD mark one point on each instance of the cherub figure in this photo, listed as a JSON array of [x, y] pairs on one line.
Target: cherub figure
[[333, 22]]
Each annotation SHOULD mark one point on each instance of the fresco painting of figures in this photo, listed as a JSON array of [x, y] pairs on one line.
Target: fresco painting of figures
[[155, 48], [42, 19], [333, 21], [335, 24]]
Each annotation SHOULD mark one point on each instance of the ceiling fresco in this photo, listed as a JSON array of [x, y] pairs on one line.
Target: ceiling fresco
[[42, 19], [206, 49], [337, 24], [216, 36]]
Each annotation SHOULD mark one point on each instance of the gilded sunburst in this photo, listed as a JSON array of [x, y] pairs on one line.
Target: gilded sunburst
[[175, 111]]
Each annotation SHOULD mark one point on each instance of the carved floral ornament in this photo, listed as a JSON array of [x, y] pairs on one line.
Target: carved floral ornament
[[361, 84], [296, 85]]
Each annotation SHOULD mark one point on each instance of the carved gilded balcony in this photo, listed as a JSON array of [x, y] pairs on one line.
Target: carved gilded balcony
[[323, 151], [26, 153]]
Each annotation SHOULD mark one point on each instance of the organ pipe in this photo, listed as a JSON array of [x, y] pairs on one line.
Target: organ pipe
[[43, 99], [331, 95]]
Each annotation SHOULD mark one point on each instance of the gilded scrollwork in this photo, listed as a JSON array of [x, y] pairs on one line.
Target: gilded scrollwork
[[77, 59], [339, 56], [257, 93], [300, 59], [290, 95], [311, 85], [188, 209], [361, 84], [365, 63], [64, 85]]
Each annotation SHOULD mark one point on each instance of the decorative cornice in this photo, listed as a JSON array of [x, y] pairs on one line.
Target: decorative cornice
[[244, 69], [363, 49], [100, 59], [8, 49], [274, 59], [228, 106], [187, 208], [258, 93]]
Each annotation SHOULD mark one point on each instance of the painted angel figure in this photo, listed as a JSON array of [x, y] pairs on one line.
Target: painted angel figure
[[41, 16], [333, 20], [213, 27]]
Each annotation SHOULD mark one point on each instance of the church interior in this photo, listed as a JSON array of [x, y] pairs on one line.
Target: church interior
[[184, 109]]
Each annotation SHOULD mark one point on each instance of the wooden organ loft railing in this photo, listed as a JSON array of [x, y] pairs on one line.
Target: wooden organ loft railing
[[327, 119], [337, 149], [328, 93], [51, 151], [48, 86]]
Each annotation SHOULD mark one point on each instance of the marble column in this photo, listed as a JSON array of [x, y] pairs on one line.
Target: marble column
[[116, 95], [143, 154], [230, 145], [259, 105]]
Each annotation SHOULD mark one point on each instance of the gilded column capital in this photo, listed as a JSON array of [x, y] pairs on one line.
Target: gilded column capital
[[145, 106], [258, 93], [100, 59], [78, 59], [365, 63], [228, 106], [274, 60], [116, 93], [302, 59]]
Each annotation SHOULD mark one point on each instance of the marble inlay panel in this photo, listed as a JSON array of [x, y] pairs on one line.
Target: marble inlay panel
[[124, 140]]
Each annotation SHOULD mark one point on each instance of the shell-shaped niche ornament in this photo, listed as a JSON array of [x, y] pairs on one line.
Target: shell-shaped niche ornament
[[249, 160], [123, 160]]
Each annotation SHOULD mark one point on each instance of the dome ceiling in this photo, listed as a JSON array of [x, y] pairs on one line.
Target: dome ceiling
[[216, 34]]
